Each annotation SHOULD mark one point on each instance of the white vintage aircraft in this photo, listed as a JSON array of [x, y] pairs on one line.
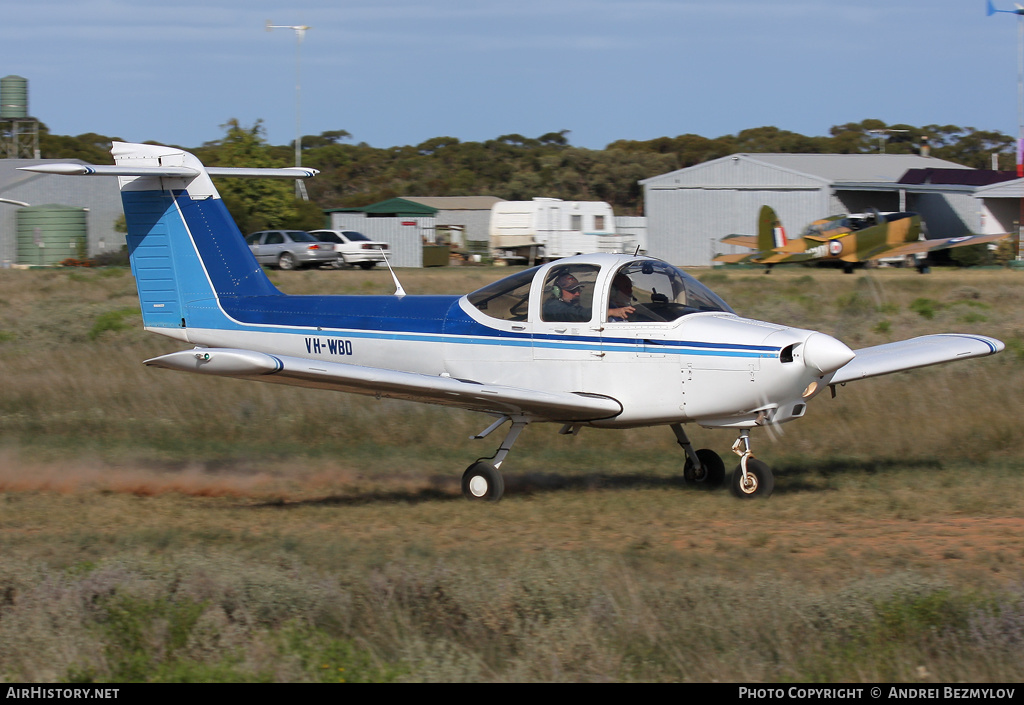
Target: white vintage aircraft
[[606, 341]]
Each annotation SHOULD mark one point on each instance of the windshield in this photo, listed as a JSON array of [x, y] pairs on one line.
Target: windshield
[[657, 291]]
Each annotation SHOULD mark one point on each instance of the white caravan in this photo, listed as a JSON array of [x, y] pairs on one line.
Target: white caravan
[[546, 229]]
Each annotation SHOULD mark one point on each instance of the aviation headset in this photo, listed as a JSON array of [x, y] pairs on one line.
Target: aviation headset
[[564, 282]]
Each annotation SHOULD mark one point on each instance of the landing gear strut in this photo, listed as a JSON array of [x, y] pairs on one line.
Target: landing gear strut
[[751, 478], [704, 468], [482, 480]]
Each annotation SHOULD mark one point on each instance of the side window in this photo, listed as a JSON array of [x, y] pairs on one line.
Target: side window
[[569, 293], [507, 299], [274, 239], [254, 239]]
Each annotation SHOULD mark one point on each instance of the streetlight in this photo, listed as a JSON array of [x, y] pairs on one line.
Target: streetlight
[[991, 10], [300, 34], [881, 142]]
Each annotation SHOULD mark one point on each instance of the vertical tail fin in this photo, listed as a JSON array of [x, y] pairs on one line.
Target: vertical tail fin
[[770, 233], [185, 249]]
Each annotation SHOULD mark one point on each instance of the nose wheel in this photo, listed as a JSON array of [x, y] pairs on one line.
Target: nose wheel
[[752, 478]]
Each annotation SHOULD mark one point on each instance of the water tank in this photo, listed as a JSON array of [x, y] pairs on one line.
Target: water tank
[[13, 97], [51, 234]]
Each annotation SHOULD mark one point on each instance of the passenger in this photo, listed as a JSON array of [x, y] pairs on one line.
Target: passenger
[[620, 301]]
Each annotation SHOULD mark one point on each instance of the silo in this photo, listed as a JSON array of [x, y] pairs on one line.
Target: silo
[[13, 98], [51, 234]]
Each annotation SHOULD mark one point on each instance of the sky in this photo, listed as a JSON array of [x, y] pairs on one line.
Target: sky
[[400, 72]]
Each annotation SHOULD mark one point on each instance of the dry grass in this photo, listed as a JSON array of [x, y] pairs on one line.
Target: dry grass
[[152, 529]]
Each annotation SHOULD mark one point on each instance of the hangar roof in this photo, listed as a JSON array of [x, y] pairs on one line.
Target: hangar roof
[[825, 168]]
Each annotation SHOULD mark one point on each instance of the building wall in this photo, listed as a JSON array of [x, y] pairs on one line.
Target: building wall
[[947, 214], [633, 229], [100, 195], [474, 224], [689, 211], [405, 236], [685, 226]]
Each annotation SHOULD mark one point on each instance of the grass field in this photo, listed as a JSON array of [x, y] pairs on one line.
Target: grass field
[[166, 527]]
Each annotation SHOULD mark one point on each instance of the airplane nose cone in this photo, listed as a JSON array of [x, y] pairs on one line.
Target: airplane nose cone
[[825, 354]]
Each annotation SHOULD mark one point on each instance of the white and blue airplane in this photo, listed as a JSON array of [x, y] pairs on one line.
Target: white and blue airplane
[[600, 340]]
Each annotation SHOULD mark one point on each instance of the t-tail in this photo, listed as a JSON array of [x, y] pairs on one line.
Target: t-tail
[[186, 253]]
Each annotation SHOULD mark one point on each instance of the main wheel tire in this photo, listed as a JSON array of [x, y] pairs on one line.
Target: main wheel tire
[[367, 265], [286, 261], [712, 474], [760, 481], [482, 482]]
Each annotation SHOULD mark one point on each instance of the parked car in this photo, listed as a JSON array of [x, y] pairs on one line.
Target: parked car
[[289, 249], [353, 248]]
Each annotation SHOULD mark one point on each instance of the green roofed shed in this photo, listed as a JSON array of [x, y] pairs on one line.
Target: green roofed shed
[[391, 208]]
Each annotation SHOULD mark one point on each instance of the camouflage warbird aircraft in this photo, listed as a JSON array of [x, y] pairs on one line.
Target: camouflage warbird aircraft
[[846, 239]]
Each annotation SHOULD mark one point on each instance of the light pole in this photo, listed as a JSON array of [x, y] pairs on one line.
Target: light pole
[[991, 10], [300, 34], [881, 140]]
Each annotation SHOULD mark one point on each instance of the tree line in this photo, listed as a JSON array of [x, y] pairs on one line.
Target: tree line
[[512, 166]]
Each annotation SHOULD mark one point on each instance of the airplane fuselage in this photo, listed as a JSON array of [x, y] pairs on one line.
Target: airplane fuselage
[[711, 367]]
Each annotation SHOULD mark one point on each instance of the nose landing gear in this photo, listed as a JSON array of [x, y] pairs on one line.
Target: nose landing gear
[[752, 478]]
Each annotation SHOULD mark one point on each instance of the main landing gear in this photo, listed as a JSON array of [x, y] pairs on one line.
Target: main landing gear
[[482, 480], [752, 478], [705, 469]]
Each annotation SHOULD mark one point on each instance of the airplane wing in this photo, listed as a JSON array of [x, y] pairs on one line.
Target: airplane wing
[[915, 352], [741, 240], [393, 384], [913, 248]]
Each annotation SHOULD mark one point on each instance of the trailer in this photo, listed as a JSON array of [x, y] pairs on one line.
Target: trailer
[[546, 229]]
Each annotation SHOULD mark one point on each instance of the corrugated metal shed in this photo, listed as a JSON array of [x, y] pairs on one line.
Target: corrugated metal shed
[[464, 219], [690, 210]]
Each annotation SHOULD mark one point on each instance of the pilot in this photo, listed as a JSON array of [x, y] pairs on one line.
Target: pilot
[[564, 303], [620, 301]]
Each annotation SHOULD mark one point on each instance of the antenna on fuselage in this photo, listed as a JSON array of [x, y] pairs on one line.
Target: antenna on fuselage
[[399, 291], [637, 250]]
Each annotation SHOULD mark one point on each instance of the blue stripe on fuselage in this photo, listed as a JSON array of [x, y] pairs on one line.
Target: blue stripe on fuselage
[[246, 299]]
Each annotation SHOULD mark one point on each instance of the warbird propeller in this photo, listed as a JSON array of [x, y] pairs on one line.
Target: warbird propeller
[[603, 341]]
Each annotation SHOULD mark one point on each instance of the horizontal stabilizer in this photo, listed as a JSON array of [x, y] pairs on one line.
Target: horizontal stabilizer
[[741, 240], [291, 172], [302, 372], [915, 352]]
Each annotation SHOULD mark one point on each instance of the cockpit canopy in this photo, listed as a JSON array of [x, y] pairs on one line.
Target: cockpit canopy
[[580, 290]]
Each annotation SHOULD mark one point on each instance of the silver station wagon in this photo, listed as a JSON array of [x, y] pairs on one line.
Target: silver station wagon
[[289, 249]]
